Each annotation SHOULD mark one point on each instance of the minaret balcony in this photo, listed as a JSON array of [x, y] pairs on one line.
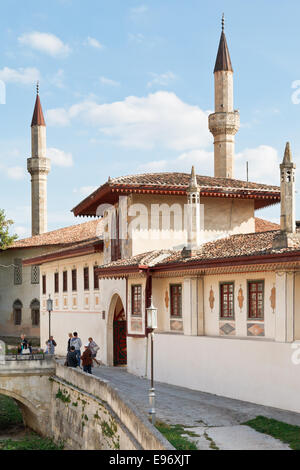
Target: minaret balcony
[[38, 165], [224, 123]]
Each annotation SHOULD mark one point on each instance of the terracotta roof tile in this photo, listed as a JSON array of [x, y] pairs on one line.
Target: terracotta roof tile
[[262, 225], [63, 237]]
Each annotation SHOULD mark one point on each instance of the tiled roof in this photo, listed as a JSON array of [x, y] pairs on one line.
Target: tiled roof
[[63, 237], [262, 225], [182, 180], [71, 251], [176, 184], [234, 246]]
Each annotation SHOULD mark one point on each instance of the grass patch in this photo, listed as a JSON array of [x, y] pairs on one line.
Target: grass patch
[[174, 434], [10, 414], [286, 433], [30, 442]]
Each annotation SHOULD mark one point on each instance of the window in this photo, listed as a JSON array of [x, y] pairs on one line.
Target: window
[[35, 312], [74, 280], [65, 281], [115, 237], [56, 283], [136, 300], [96, 279], [86, 279], [256, 300], [44, 284], [17, 272], [35, 275], [227, 300], [176, 300], [17, 310]]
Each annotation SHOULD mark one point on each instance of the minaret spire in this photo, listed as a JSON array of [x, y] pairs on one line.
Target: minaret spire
[[224, 123], [38, 166], [193, 215]]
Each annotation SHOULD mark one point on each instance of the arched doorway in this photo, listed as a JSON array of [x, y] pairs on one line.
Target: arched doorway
[[120, 335]]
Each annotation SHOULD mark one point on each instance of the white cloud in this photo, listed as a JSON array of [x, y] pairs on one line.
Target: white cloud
[[94, 43], [263, 162], [160, 119], [108, 81], [15, 173], [59, 157], [25, 76], [57, 117], [45, 42], [136, 12], [201, 159], [139, 38], [58, 79], [162, 79], [85, 190]]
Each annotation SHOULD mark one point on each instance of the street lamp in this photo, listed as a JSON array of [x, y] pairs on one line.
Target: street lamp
[[152, 325], [50, 309]]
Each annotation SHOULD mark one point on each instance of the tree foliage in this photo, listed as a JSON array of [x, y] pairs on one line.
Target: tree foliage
[[5, 238]]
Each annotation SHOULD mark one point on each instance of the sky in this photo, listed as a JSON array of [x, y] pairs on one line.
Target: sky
[[127, 85]]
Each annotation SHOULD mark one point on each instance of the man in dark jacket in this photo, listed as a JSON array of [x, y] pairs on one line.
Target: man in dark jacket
[[72, 358]]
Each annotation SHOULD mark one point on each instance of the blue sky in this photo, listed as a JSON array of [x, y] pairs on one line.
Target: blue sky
[[126, 87]]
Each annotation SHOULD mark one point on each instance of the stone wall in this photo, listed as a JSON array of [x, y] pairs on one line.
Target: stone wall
[[88, 413]]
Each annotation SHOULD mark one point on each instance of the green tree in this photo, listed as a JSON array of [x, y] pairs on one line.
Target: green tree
[[5, 238]]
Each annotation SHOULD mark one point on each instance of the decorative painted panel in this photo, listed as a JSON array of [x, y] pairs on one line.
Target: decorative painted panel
[[227, 329], [176, 325], [167, 299], [273, 298], [241, 298], [211, 299], [255, 329]]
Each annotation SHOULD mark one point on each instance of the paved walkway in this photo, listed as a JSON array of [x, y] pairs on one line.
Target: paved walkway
[[216, 420]]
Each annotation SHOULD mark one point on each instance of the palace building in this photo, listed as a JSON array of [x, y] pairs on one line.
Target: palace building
[[225, 283]]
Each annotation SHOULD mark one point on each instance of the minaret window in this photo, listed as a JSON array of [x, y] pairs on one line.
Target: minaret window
[[35, 312]]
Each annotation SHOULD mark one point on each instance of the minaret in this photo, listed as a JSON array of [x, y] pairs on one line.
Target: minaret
[[225, 121], [38, 166], [287, 189], [193, 213]]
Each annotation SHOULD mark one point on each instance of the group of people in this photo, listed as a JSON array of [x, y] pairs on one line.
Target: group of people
[[74, 356]]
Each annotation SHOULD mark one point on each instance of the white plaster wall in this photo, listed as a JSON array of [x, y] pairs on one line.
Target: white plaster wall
[[73, 311], [256, 371], [221, 217], [137, 356]]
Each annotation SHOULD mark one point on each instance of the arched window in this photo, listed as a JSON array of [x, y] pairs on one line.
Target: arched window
[[17, 309], [35, 312]]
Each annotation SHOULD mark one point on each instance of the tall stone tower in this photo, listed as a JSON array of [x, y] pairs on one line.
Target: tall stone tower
[[225, 121], [38, 166], [287, 189]]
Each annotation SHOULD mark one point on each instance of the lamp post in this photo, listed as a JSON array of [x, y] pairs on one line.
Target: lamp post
[[152, 325], [50, 309]]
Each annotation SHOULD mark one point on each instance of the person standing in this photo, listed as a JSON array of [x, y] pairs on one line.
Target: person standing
[[69, 342], [72, 358], [76, 342], [94, 349], [87, 360], [51, 346], [23, 344]]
